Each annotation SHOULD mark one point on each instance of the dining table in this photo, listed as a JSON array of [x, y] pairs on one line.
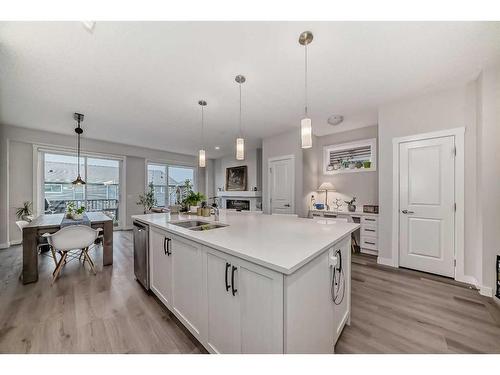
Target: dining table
[[51, 223]]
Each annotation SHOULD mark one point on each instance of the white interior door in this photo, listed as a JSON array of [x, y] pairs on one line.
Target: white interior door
[[427, 205], [281, 185]]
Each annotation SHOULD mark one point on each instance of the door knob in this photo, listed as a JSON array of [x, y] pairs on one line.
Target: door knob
[[287, 205], [407, 212]]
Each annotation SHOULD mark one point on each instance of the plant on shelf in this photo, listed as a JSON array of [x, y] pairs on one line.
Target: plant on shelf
[[350, 204], [147, 200], [25, 212]]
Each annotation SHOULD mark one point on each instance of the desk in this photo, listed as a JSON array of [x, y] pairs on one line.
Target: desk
[[51, 224], [368, 232]]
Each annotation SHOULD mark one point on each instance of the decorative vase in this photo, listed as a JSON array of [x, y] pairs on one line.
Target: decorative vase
[[193, 209], [351, 207], [367, 164], [358, 164]]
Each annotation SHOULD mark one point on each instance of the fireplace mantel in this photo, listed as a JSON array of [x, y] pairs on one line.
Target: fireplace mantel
[[242, 194]]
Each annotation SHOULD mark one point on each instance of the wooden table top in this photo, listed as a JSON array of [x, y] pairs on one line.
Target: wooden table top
[[54, 220]]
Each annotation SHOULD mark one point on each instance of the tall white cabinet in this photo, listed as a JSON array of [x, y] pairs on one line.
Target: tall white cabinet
[[234, 306]]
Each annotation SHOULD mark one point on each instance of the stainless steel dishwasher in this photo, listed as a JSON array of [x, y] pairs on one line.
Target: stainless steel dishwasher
[[141, 253]]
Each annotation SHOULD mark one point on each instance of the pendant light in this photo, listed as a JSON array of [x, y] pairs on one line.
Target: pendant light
[[78, 130], [305, 38], [201, 153], [240, 141]]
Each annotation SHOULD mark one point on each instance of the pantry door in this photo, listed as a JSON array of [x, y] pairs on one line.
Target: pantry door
[[281, 176], [427, 205]]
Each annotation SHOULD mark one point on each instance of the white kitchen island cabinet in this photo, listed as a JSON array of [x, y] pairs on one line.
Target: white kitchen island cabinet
[[239, 291], [245, 306]]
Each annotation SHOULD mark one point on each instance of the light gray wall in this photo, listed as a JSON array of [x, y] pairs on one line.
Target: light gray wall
[[19, 141], [489, 171], [448, 109], [252, 161], [279, 145], [363, 185]]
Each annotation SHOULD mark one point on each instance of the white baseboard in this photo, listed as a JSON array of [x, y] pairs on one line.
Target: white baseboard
[[5, 245], [386, 262], [485, 291], [467, 279], [368, 251]]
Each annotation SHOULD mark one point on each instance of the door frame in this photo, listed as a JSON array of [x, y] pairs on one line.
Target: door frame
[[276, 158], [459, 134]]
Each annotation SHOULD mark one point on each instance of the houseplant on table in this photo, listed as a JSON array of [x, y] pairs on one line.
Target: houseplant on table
[[350, 205], [74, 213], [147, 200], [25, 212]]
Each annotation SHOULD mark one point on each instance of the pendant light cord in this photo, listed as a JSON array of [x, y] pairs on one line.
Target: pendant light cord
[[78, 149], [202, 127], [241, 127], [305, 78]]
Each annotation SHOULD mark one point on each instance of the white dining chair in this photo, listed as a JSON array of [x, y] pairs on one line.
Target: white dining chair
[[72, 238]]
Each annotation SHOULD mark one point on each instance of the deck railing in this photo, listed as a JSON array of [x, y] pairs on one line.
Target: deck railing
[[108, 206]]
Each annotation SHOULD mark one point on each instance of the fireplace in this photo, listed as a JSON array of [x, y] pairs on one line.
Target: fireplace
[[238, 204]]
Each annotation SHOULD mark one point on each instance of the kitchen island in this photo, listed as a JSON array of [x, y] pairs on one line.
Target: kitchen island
[[256, 284]]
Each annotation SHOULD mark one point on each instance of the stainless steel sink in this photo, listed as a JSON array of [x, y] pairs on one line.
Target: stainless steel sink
[[189, 223], [198, 225], [208, 227]]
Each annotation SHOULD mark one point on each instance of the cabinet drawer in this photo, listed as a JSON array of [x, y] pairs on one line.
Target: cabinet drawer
[[369, 230], [370, 220], [369, 243]]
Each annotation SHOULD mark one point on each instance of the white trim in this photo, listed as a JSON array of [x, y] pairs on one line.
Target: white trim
[[7, 188], [16, 242], [4, 245], [459, 134], [486, 291], [386, 262], [276, 158]]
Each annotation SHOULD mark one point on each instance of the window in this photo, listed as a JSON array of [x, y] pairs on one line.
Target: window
[[100, 193], [169, 182], [53, 188]]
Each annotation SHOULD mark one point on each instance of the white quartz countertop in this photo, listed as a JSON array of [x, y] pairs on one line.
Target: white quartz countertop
[[281, 243]]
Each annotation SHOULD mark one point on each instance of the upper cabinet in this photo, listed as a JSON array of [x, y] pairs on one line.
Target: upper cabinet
[[352, 157]]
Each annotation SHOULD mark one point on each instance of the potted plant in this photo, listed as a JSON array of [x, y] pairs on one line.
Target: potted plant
[[147, 200], [78, 213], [25, 212], [192, 201], [350, 204]]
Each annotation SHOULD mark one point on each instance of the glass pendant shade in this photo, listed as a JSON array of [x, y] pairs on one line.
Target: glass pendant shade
[[306, 133], [240, 149], [201, 158]]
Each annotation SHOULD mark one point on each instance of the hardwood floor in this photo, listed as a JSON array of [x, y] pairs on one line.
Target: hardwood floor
[[83, 313], [404, 311], [393, 311]]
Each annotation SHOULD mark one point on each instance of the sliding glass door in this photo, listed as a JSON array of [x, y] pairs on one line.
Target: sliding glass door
[[100, 193]]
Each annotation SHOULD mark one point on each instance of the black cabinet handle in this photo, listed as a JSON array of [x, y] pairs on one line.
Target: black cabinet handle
[[227, 283], [233, 290], [165, 245], [169, 252]]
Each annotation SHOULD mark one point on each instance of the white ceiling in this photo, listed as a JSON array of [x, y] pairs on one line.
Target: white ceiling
[[139, 82]]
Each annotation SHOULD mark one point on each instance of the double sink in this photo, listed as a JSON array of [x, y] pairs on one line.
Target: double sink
[[198, 225]]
